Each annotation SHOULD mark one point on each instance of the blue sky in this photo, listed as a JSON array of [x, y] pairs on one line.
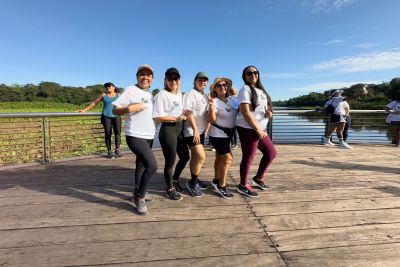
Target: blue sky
[[299, 46]]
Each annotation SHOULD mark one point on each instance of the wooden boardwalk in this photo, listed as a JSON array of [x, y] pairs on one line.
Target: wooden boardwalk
[[325, 207]]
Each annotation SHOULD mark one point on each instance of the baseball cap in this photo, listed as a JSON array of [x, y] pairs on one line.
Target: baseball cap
[[171, 71], [201, 75], [144, 67]]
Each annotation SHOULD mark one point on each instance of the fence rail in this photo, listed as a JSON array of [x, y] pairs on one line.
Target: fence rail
[[46, 137]]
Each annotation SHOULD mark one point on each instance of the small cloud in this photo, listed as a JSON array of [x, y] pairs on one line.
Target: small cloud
[[366, 45], [332, 42], [383, 60], [321, 87], [285, 75], [327, 6]]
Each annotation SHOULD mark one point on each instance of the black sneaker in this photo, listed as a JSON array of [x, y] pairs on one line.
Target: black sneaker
[[203, 185], [246, 190], [224, 192], [172, 194], [118, 153], [194, 190], [178, 186], [215, 183], [110, 155], [259, 183]]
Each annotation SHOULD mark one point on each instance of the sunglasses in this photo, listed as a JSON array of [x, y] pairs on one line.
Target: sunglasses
[[170, 79], [220, 85], [249, 73]]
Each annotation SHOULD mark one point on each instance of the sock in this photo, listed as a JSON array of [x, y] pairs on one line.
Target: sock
[[194, 180]]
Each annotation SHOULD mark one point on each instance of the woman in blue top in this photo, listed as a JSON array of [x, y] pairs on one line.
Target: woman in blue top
[[108, 119]]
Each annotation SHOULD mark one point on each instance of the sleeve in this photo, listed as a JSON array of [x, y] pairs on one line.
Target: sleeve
[[158, 108], [189, 102], [391, 105], [123, 100], [244, 95]]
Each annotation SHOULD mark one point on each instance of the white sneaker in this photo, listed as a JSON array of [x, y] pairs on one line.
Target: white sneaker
[[328, 142], [344, 145]]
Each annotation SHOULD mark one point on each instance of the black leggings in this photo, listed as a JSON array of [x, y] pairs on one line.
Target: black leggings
[[182, 150], [168, 136], [146, 163], [110, 123]]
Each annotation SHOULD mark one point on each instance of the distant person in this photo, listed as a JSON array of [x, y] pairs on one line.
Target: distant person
[[195, 103], [137, 103], [338, 116], [347, 116], [255, 109], [168, 109], [108, 119], [222, 116], [233, 96], [393, 108]]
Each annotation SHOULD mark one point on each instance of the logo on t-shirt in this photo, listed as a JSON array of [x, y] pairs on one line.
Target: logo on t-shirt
[[144, 100]]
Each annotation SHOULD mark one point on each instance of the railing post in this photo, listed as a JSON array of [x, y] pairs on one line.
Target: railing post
[[49, 139], [44, 148], [269, 127]]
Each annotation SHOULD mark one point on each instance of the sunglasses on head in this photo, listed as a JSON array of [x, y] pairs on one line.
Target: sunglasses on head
[[220, 85], [249, 73]]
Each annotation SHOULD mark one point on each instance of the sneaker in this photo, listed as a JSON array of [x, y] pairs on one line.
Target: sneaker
[[396, 146], [203, 185], [214, 184], [212, 149], [110, 155], [172, 194], [148, 198], [118, 153], [260, 183], [344, 145], [178, 186], [246, 190], [194, 190], [328, 142], [224, 192], [141, 206]]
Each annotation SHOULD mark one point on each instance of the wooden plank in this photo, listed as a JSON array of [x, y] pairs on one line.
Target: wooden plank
[[114, 212], [369, 255], [330, 219], [254, 260], [325, 206], [136, 251], [127, 231], [336, 237]]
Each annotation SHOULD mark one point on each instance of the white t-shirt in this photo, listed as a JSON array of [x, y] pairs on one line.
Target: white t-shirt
[[198, 104], [138, 124], [167, 104], [395, 106], [226, 117], [337, 103], [244, 96]]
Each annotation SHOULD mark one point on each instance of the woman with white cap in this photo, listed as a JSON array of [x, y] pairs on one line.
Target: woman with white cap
[[338, 118], [168, 109], [222, 116], [137, 103], [195, 104]]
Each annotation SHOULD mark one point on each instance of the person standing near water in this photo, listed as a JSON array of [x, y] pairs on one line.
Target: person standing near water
[[109, 121], [168, 109], [136, 102], [255, 109]]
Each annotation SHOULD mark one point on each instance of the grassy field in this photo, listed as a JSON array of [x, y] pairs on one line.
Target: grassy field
[[25, 140]]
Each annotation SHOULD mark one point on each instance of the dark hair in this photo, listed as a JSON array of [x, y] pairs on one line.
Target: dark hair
[[107, 85], [254, 96]]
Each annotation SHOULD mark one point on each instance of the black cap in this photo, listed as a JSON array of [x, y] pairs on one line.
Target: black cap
[[171, 71]]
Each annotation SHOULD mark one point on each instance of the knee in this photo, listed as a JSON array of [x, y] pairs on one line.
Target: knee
[[201, 158]]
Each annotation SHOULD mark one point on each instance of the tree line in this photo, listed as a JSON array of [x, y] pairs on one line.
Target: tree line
[[379, 94]]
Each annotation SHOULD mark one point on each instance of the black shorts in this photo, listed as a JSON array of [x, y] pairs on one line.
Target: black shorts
[[189, 140], [395, 123], [337, 118], [221, 144]]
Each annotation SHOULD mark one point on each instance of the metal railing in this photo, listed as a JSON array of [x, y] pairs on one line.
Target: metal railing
[[46, 137]]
